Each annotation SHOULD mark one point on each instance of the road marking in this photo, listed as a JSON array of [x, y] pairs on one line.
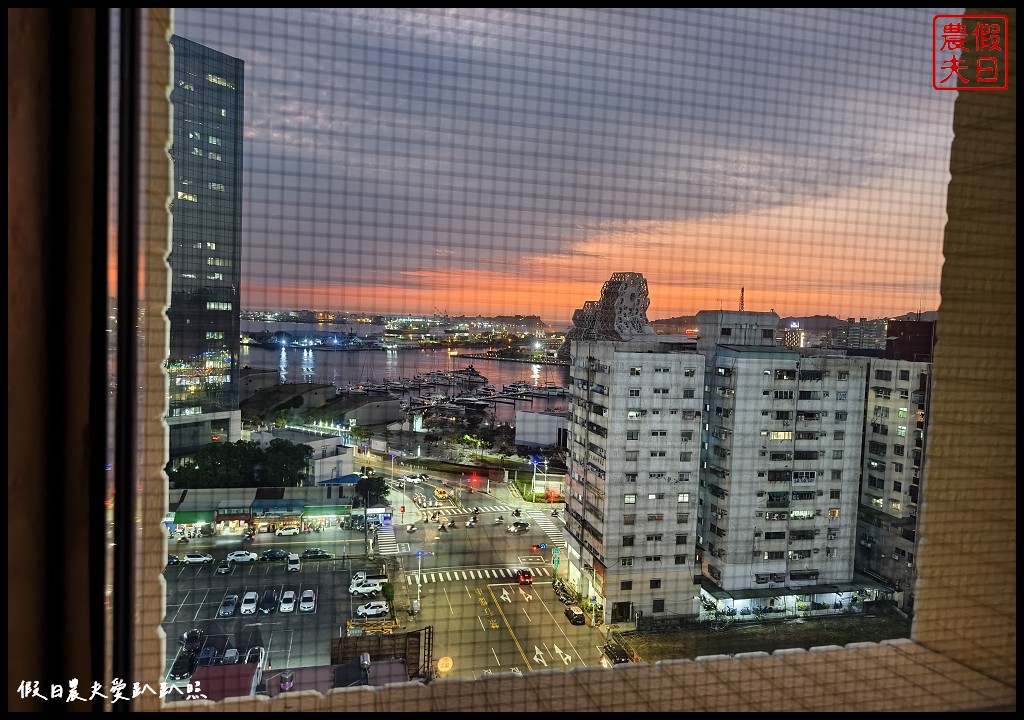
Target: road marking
[[566, 658], [538, 656]]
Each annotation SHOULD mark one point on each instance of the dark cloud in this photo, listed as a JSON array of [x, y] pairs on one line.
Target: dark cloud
[[461, 138]]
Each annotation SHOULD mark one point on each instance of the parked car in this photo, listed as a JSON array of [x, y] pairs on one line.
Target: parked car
[[185, 665], [524, 577], [208, 656], [612, 654], [518, 526], [192, 640], [287, 601], [269, 602], [194, 558], [242, 556], [231, 656], [287, 531], [316, 554], [173, 560], [374, 608], [271, 555], [249, 602], [368, 588], [308, 601], [255, 654], [575, 615], [224, 568], [228, 606], [294, 564]]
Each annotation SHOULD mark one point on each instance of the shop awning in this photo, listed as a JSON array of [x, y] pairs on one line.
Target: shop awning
[[343, 480], [326, 510], [193, 517]]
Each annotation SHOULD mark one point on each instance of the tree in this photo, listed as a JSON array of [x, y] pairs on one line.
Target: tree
[[375, 485]]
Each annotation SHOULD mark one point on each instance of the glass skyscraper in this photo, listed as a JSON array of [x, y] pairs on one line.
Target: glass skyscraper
[[205, 259]]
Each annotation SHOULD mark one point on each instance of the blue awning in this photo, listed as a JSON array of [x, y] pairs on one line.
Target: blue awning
[[343, 480]]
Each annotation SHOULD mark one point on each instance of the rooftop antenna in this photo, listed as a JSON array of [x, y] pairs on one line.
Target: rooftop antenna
[[742, 290]]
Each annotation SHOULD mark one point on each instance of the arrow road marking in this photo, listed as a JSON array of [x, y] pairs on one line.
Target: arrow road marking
[[538, 656], [566, 658]]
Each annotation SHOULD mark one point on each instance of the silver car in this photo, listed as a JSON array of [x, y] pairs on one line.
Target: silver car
[[228, 606], [249, 602]]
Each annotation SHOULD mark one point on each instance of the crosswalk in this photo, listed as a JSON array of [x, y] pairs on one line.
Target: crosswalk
[[388, 543], [498, 574]]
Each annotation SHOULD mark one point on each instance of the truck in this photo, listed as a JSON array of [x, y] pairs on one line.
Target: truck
[[370, 575]]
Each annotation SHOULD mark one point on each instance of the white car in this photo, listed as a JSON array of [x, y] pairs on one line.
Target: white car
[[240, 556], [308, 601], [249, 602], [287, 601], [375, 608], [287, 531], [192, 558]]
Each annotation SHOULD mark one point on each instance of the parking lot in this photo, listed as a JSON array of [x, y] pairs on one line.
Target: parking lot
[[294, 638]]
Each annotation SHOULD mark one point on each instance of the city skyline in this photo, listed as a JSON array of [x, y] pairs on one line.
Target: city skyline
[[507, 162]]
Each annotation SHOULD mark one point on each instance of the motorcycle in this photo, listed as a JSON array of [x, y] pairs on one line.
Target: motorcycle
[[499, 520], [442, 527], [516, 513], [476, 511], [554, 513], [411, 528]]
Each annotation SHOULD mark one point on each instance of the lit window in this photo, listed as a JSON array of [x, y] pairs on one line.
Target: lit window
[[217, 80], [186, 85], [219, 187], [214, 140], [211, 155], [626, 561], [191, 197], [629, 499], [683, 497]]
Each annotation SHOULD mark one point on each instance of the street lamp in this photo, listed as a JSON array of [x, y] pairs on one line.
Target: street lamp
[[535, 461]]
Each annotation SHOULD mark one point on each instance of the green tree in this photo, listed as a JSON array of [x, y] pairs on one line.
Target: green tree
[[375, 485]]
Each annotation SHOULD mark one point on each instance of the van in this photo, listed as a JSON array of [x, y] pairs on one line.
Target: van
[[575, 615], [294, 564]]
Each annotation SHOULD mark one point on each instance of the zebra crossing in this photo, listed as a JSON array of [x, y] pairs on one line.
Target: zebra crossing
[[386, 542], [450, 511], [498, 574]]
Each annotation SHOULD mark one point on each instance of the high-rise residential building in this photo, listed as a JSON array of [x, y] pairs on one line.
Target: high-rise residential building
[[634, 461], [861, 334], [779, 477], [205, 257], [898, 397]]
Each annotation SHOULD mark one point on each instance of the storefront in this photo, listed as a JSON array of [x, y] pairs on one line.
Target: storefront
[[273, 514], [321, 517], [193, 523], [232, 518]]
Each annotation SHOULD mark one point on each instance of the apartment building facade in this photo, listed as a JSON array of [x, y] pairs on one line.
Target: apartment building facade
[[898, 394], [631, 493]]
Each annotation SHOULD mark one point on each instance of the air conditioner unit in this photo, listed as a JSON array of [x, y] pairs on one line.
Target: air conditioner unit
[[910, 565], [895, 556], [816, 551], [760, 494]]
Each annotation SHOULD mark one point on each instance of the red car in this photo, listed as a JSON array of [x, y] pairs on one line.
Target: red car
[[524, 577]]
